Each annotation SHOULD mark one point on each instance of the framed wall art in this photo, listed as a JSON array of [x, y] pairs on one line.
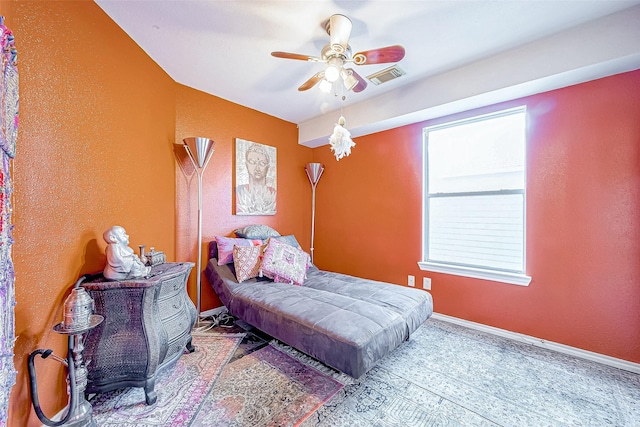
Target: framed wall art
[[256, 178]]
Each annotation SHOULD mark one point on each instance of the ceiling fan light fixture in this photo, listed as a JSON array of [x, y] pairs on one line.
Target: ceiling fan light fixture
[[325, 86], [348, 79], [332, 73]]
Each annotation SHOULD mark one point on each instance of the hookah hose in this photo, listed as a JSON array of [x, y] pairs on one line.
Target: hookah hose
[[34, 385], [73, 401]]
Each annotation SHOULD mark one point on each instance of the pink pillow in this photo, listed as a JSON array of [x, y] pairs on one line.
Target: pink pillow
[[247, 261], [226, 244], [284, 263]]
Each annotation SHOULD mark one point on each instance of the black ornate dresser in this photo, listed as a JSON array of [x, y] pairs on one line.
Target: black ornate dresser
[[147, 325]]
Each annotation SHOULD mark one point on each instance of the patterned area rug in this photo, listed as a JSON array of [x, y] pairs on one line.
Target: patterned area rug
[[180, 390], [266, 388], [448, 375]]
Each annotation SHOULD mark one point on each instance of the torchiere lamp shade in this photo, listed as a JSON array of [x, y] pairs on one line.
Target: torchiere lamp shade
[[203, 148], [314, 172]]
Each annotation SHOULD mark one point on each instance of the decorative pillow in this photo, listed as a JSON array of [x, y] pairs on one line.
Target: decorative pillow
[[257, 231], [226, 244], [247, 260], [289, 239], [284, 263], [213, 249]]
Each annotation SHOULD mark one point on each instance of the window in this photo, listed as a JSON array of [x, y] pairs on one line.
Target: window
[[474, 198]]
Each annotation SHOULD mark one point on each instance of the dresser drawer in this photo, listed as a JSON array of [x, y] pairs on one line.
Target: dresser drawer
[[177, 325], [169, 307], [177, 345], [172, 287]]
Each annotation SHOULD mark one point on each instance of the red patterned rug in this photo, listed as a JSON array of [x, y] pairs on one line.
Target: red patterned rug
[[266, 388], [180, 390], [263, 388]]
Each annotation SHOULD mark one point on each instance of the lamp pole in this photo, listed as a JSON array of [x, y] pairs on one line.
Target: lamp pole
[[314, 172], [204, 151]]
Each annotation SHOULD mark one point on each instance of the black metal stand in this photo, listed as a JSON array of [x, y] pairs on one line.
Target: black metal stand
[[79, 411]]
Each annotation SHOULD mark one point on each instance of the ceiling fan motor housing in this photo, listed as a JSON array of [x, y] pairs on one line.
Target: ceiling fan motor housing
[[328, 52]]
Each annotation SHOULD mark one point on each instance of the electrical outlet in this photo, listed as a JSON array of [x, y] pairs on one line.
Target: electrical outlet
[[411, 281], [426, 283]]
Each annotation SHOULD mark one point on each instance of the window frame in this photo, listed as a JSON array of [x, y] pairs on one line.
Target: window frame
[[485, 273]]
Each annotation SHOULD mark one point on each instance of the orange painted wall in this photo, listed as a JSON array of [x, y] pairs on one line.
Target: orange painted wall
[[583, 228], [99, 121], [223, 121]]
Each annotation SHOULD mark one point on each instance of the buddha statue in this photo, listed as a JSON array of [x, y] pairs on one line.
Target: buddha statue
[[122, 262]]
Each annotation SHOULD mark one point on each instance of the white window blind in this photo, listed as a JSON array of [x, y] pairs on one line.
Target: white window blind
[[475, 194]]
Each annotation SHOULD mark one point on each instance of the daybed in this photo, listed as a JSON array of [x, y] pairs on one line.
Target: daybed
[[346, 322]]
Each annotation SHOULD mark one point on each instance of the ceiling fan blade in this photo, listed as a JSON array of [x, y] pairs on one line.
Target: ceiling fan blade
[[312, 81], [362, 83], [287, 55], [379, 56], [339, 29]]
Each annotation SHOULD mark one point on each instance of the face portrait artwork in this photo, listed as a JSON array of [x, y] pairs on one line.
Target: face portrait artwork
[[255, 178]]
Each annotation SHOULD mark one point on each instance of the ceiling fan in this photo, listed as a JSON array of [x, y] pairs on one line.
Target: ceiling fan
[[337, 53]]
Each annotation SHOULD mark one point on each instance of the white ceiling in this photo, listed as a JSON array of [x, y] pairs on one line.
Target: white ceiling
[[456, 50]]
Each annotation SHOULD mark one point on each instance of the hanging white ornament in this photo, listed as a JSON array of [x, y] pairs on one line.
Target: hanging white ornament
[[340, 140]]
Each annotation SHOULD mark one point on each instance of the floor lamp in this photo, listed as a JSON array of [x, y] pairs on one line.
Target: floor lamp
[[314, 172], [204, 150]]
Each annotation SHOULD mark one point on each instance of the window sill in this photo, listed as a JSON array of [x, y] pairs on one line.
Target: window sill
[[477, 273]]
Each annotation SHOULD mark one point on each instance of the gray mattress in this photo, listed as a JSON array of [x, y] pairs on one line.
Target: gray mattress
[[346, 322]]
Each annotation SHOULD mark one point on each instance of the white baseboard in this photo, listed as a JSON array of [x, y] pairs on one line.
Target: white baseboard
[[550, 345]]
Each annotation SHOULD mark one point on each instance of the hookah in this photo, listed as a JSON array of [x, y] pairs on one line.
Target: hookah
[[78, 319]]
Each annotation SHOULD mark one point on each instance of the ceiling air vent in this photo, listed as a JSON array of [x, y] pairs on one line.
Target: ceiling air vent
[[385, 75]]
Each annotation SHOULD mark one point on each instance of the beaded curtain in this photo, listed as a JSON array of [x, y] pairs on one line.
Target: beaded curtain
[[8, 135]]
